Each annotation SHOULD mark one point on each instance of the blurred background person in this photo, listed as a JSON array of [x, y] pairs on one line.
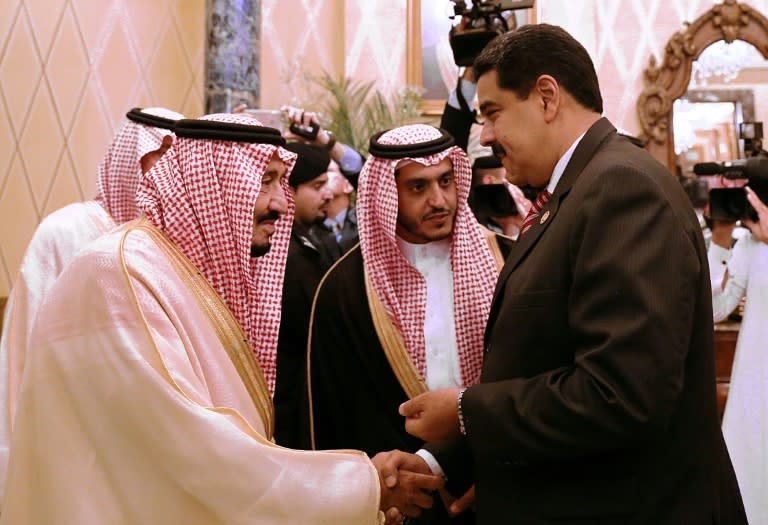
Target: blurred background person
[[342, 212], [311, 252], [745, 422], [497, 204], [307, 123], [143, 138]]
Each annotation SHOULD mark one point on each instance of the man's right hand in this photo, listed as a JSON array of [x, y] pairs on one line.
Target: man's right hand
[[407, 483]]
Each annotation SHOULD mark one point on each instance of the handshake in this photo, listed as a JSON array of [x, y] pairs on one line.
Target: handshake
[[408, 487]]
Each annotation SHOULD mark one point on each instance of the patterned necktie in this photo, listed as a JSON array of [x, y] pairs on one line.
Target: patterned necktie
[[533, 213]]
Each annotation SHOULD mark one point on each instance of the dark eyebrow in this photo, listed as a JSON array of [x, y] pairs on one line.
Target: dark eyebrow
[[272, 172], [425, 180], [484, 106]]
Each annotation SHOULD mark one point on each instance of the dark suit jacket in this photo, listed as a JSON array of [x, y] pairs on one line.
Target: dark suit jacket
[[308, 259], [597, 398]]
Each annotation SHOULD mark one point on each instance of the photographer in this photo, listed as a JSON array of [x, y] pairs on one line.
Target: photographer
[[342, 216], [745, 422], [719, 251], [349, 160], [458, 115]]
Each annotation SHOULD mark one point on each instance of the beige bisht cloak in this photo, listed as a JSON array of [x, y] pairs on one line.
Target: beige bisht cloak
[[57, 239], [157, 413]]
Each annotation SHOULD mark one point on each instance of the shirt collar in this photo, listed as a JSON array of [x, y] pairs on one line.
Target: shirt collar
[[418, 254], [557, 173]]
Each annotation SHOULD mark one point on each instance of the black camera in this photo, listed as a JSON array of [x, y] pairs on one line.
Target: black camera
[[492, 200], [306, 132], [480, 24], [731, 204], [697, 190]]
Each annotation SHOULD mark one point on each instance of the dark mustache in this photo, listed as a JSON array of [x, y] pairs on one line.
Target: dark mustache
[[271, 215], [498, 150], [436, 212]]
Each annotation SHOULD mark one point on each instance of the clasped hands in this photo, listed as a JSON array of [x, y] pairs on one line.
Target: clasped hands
[[408, 485]]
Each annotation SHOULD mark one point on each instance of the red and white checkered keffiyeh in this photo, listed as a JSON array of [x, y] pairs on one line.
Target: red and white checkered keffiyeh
[[202, 194], [400, 286], [120, 169]]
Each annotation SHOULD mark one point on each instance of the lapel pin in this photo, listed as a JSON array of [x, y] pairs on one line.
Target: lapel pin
[[544, 217]]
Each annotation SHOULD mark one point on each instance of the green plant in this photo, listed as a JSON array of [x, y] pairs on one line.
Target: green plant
[[355, 110]]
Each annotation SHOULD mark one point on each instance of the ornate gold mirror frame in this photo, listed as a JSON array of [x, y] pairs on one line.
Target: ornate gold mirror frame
[[728, 21]]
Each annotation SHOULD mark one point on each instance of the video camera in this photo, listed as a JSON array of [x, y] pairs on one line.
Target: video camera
[[731, 204], [480, 24]]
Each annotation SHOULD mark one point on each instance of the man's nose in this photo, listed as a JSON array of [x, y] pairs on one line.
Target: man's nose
[[436, 197], [487, 136], [326, 193], [279, 202]]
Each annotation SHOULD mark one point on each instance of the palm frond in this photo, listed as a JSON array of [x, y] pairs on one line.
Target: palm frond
[[355, 110]]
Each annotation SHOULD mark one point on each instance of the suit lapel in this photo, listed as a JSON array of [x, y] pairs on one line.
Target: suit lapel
[[581, 156]]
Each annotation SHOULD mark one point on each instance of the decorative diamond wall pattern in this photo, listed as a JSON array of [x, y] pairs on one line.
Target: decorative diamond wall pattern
[[621, 36], [69, 71]]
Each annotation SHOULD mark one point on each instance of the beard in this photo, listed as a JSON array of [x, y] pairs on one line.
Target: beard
[[417, 229]]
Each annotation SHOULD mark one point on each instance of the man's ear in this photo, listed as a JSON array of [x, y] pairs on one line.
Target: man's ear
[[547, 90], [167, 141]]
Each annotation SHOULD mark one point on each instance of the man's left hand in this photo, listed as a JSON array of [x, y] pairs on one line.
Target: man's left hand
[[760, 228], [433, 416]]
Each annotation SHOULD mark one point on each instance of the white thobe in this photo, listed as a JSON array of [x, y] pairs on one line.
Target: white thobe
[[56, 241], [745, 421]]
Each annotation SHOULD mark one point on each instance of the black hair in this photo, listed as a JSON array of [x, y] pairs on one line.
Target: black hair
[[487, 162], [311, 162], [521, 56]]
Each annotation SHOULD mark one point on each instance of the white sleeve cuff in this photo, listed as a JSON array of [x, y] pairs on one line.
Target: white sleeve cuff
[[432, 463], [434, 466]]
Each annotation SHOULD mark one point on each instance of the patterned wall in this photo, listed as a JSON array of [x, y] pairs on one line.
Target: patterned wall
[[363, 39], [69, 70], [367, 38], [621, 35]]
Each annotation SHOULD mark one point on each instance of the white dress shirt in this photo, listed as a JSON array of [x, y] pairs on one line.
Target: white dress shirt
[[433, 261], [557, 173]]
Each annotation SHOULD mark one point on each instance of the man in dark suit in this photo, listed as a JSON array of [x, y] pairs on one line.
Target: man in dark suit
[[597, 397], [310, 253]]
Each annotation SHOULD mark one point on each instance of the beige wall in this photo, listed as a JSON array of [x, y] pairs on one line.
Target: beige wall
[[69, 70], [366, 39], [363, 39], [620, 36]]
